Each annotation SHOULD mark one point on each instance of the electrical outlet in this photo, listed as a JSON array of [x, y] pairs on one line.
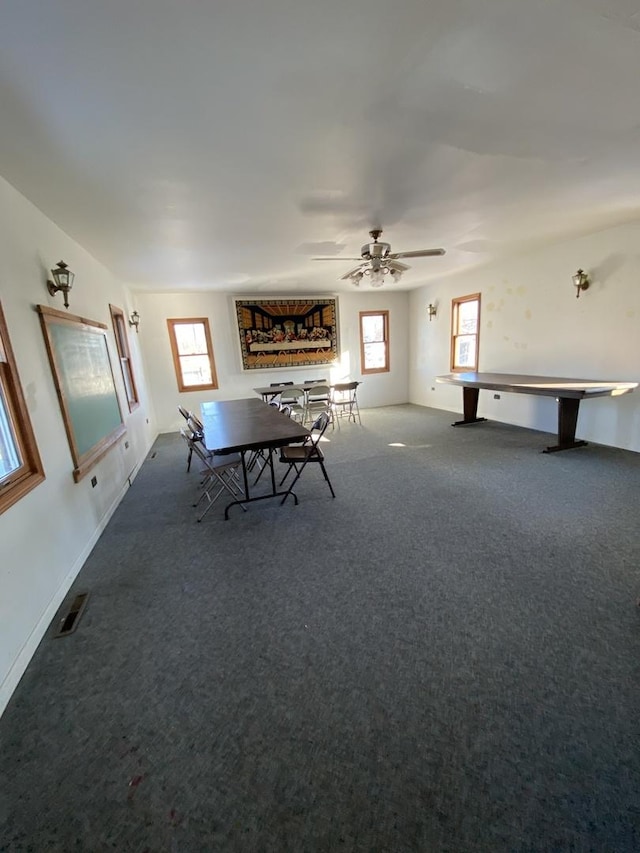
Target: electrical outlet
[[94, 482], [496, 396]]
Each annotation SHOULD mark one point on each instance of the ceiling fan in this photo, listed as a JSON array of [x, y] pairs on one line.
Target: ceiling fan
[[377, 260]]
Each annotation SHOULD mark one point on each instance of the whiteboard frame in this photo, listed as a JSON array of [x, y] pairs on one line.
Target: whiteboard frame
[[83, 462]]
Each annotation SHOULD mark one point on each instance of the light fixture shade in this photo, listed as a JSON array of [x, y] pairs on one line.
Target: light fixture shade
[[134, 320], [62, 276], [62, 280], [376, 271], [580, 281]]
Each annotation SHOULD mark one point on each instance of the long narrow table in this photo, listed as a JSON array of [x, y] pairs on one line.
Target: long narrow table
[[242, 426], [568, 393], [268, 392]]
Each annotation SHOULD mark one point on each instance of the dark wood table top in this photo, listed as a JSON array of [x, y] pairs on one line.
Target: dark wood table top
[[231, 426], [547, 386]]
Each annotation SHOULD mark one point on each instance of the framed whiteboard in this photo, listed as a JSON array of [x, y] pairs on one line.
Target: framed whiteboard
[[83, 377]]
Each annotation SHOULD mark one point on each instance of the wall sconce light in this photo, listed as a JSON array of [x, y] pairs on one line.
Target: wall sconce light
[[62, 280], [134, 320], [580, 281], [431, 311]]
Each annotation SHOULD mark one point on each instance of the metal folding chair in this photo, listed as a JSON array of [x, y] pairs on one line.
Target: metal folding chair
[[298, 456], [295, 398], [318, 401], [220, 473], [344, 402]]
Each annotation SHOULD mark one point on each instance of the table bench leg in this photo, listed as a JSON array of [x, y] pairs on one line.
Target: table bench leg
[[469, 407], [567, 421]]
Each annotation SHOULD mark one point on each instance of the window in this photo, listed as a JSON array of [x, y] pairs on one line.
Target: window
[[374, 341], [20, 466], [192, 354], [122, 345], [465, 332]]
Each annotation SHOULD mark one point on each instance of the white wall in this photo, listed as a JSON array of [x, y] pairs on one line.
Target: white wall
[[377, 389], [46, 536], [531, 322]]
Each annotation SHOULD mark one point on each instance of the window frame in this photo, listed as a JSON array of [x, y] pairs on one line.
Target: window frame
[[385, 339], [30, 474], [118, 321], [187, 321], [455, 333]]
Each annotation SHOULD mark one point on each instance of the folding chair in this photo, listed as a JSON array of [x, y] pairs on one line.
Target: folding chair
[[274, 396], [295, 398], [220, 473], [318, 401], [298, 456], [195, 427], [344, 402], [196, 423], [185, 414]]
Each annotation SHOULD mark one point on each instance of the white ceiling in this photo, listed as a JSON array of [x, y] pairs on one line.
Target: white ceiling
[[221, 144]]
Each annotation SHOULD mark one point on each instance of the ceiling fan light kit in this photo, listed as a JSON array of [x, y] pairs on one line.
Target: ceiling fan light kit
[[377, 261]]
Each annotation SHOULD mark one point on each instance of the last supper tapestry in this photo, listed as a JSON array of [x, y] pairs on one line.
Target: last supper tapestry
[[287, 332]]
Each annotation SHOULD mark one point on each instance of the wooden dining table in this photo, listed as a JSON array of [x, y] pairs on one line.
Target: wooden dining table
[[244, 426], [568, 393]]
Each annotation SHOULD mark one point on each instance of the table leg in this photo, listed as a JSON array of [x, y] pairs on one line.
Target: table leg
[[567, 422], [469, 407], [273, 476], [244, 474], [247, 498]]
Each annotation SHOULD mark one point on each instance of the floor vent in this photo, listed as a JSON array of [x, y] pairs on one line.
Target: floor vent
[[69, 621]]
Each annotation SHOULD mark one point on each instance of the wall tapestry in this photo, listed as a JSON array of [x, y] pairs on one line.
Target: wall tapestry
[[287, 332]]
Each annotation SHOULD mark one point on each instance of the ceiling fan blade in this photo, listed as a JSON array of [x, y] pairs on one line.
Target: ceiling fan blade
[[400, 267], [419, 253], [348, 275], [336, 259]]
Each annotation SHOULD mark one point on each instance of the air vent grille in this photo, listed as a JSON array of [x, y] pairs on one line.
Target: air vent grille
[[69, 621]]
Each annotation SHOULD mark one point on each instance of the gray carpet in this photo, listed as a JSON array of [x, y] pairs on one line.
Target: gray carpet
[[443, 658]]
